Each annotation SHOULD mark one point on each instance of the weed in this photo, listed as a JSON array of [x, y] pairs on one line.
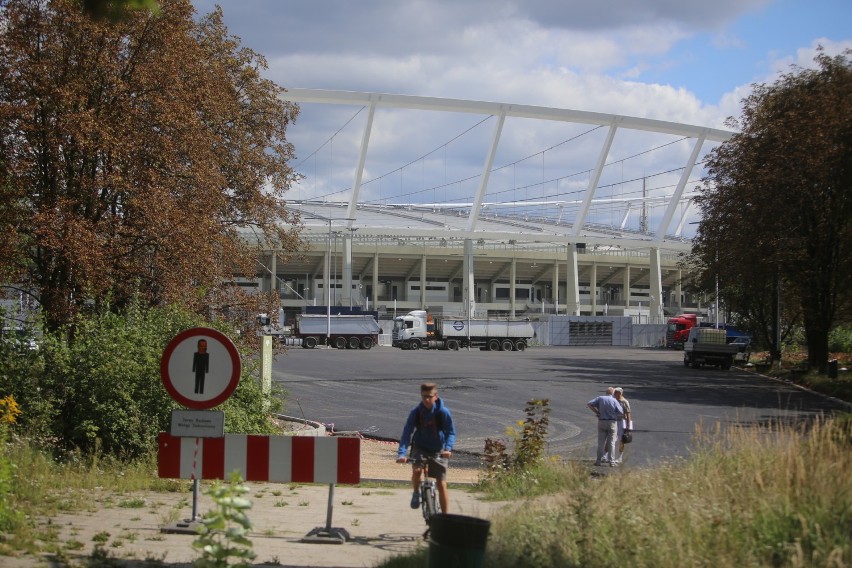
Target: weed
[[170, 517], [223, 533], [74, 544], [529, 443], [136, 503]]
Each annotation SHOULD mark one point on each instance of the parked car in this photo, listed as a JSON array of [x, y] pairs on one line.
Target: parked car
[[743, 344]]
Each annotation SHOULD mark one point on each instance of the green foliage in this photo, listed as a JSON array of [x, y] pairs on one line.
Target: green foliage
[[9, 516], [529, 447], [771, 495], [776, 226], [223, 532], [544, 477], [40, 486], [840, 339], [529, 443], [145, 139], [102, 392], [118, 10]]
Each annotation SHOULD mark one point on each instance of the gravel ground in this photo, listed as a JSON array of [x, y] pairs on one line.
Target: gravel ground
[[378, 461]]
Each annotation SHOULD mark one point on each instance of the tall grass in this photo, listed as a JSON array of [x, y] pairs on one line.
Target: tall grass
[[42, 486], [772, 495]]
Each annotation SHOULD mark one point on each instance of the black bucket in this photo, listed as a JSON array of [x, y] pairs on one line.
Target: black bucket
[[457, 541]]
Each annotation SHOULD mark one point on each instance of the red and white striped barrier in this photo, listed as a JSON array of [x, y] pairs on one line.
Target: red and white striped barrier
[[283, 459]]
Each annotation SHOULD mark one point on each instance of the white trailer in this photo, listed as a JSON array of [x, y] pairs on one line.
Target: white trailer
[[341, 331], [420, 330]]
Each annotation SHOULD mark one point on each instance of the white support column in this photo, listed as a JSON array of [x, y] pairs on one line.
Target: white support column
[[679, 291], [346, 298], [626, 285], [352, 210], [572, 286], [555, 287], [513, 278], [423, 282], [593, 288], [580, 220], [469, 290], [486, 173], [273, 285], [375, 295], [678, 192], [656, 290], [326, 278]]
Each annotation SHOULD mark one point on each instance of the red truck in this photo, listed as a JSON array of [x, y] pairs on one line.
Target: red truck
[[677, 330]]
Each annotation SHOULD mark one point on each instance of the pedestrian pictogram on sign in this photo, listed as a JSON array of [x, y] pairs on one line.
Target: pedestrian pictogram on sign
[[200, 368]]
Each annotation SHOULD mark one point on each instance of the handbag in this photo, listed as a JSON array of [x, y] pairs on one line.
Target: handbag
[[626, 437]]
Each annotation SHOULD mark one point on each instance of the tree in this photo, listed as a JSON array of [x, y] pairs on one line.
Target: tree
[[777, 202], [132, 153]]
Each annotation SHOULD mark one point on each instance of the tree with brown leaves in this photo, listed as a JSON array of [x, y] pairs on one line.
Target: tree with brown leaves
[[132, 152], [777, 204]]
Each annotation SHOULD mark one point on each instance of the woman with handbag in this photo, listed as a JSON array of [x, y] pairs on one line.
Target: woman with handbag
[[625, 426]]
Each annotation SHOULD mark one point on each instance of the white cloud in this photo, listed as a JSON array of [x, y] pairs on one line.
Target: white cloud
[[568, 54], [805, 55]]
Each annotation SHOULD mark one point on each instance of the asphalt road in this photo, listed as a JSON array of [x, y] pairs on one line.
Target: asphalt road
[[372, 392]]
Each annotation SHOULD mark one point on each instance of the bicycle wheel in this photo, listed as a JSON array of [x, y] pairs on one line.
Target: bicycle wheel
[[429, 503], [436, 503]]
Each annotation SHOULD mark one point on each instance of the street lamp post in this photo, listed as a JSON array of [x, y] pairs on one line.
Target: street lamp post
[[328, 287], [328, 279]]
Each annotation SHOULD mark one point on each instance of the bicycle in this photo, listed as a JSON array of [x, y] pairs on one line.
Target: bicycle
[[429, 503]]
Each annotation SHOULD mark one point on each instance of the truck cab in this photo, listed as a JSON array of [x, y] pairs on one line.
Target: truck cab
[[677, 330], [413, 325]]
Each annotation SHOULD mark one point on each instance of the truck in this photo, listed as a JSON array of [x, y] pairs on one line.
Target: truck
[[273, 325], [421, 330], [343, 331], [709, 346], [677, 329]]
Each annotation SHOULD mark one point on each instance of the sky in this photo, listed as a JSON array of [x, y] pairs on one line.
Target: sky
[[688, 62]]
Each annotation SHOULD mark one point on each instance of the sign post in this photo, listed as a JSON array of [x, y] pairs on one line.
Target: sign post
[[200, 369]]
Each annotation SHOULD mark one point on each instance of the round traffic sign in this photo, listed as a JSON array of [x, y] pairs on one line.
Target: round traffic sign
[[200, 368]]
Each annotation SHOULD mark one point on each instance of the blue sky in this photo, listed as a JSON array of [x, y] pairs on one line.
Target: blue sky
[[687, 62], [754, 46]]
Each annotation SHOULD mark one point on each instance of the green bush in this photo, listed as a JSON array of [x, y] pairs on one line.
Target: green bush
[[101, 390], [840, 339]]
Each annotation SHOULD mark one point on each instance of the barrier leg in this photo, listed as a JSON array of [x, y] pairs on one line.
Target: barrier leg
[[327, 534]]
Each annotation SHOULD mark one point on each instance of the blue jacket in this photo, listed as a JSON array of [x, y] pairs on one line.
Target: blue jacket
[[430, 430]]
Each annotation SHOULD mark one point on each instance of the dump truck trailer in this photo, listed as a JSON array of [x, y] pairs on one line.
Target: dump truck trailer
[[341, 331], [421, 330]]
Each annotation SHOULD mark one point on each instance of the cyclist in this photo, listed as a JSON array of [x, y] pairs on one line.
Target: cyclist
[[429, 431]]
